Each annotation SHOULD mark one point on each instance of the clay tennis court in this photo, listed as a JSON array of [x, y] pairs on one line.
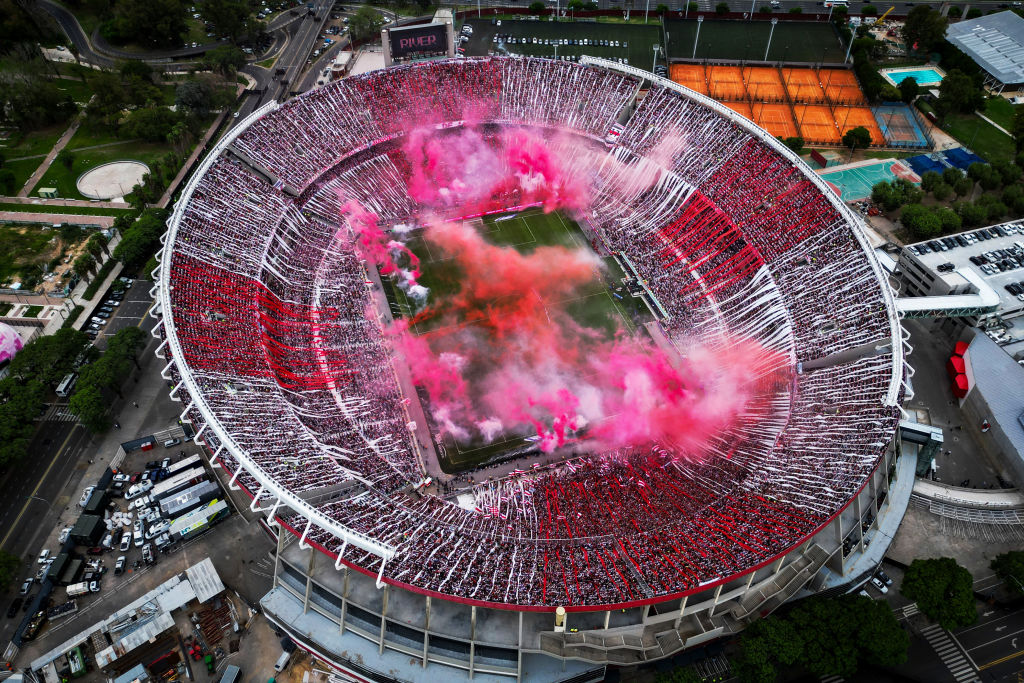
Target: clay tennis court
[[817, 124], [777, 119], [689, 75], [741, 108], [726, 83], [764, 84], [803, 85], [841, 86], [851, 117]]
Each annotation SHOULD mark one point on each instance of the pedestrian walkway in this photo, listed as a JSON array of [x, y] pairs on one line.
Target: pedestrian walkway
[[37, 175], [907, 611], [950, 653], [59, 413], [996, 125]]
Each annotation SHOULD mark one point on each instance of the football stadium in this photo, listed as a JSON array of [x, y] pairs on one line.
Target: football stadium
[[531, 367]]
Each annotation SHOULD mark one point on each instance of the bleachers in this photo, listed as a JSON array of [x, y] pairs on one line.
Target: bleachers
[[272, 304]]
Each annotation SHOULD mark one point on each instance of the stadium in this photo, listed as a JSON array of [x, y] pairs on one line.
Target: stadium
[[530, 367]]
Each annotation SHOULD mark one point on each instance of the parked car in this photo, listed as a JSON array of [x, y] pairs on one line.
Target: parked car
[[140, 503], [158, 528], [137, 490], [108, 541], [883, 577], [94, 586], [64, 533], [147, 554], [126, 543], [119, 565], [43, 556], [86, 494], [25, 587], [879, 585], [139, 539], [121, 477]]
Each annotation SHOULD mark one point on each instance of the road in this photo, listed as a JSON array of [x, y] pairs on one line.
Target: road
[[996, 643]]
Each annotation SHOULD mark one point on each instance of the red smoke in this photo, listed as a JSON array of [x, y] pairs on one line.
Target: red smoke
[[505, 353]]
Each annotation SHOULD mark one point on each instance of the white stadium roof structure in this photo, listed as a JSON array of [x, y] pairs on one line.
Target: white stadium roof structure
[[996, 43]]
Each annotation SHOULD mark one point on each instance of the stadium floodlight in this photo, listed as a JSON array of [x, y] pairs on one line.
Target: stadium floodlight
[[770, 34], [696, 37]]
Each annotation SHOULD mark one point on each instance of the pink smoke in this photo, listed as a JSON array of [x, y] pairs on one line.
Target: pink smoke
[[510, 354], [374, 245]]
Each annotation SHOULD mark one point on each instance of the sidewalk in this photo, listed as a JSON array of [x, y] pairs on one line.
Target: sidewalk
[[76, 218], [45, 166], [994, 124], [83, 203]]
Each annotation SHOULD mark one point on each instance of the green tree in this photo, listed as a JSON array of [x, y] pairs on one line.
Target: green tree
[[857, 138], [954, 13], [869, 10], [909, 89], [1008, 173], [366, 22], [661, 10], [963, 187], [225, 17], [150, 124], [196, 96], [21, 402], [951, 175], [155, 23], [722, 8], [226, 60], [890, 93], [1017, 129], [136, 69], [958, 93], [89, 406], [949, 219], [48, 359], [929, 179], [794, 143], [141, 240], [796, 10], [97, 242], [971, 214], [66, 158], [924, 28], [921, 221], [943, 591], [683, 674], [941, 191], [127, 343], [10, 566], [85, 265], [8, 183], [28, 101], [1010, 568], [110, 99], [973, 13]]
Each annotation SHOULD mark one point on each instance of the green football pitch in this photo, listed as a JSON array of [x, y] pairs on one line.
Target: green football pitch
[[592, 305]]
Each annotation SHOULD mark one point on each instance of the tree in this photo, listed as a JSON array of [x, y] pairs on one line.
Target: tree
[[794, 143], [954, 13], [921, 221], [972, 215], [156, 23], [48, 359], [764, 9], [136, 69], [973, 13], [21, 402], [141, 240], [683, 674], [84, 265], [890, 93], [366, 22], [66, 158], [963, 186], [941, 191], [661, 10], [1010, 568], [929, 179], [194, 95], [10, 566], [958, 93], [150, 124], [97, 241], [226, 60], [869, 10], [225, 17], [951, 175], [943, 591], [857, 138], [89, 406], [949, 219], [8, 183], [909, 89], [127, 343], [924, 28], [29, 101], [1008, 173], [722, 8], [111, 98]]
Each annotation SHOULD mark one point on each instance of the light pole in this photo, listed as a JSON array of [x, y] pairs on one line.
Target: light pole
[[752, 3], [647, 9], [700, 20], [770, 34], [655, 64]]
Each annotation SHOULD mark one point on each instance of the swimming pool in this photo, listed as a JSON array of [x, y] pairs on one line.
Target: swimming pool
[[928, 76]]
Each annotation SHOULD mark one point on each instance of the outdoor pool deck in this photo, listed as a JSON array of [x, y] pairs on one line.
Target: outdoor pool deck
[[925, 75], [854, 181]]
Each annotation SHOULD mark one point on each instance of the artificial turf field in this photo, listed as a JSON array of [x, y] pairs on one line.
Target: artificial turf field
[[593, 305]]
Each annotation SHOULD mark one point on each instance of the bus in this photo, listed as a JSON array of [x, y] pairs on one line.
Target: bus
[[66, 385], [176, 483], [182, 465]]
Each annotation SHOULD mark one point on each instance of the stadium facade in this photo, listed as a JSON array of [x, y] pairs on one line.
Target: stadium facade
[[388, 580]]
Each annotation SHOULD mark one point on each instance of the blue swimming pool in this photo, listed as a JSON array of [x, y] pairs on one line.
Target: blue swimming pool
[[922, 76]]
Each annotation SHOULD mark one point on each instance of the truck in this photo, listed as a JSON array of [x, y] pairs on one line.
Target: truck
[[76, 589]]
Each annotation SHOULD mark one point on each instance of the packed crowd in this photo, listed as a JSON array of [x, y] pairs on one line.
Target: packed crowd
[[276, 319]]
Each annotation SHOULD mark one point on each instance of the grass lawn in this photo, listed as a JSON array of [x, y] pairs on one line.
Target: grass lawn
[[267, 63], [981, 137], [1001, 111], [24, 248], [33, 144], [882, 154], [23, 170], [32, 312], [591, 306], [69, 210], [80, 91], [62, 178]]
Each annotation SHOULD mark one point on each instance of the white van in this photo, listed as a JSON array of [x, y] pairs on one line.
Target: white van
[[282, 661]]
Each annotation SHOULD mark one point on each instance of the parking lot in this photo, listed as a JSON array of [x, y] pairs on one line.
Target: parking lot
[[126, 305]]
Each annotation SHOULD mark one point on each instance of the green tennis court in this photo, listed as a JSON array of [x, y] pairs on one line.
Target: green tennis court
[[792, 41], [856, 183]]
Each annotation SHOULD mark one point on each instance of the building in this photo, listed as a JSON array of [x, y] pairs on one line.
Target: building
[[969, 264], [384, 573], [996, 43], [138, 634]]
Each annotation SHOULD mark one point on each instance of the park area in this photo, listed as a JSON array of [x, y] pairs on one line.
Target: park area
[[635, 41], [792, 41], [600, 306], [27, 250]]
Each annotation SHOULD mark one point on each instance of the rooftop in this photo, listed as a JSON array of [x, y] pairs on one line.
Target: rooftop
[[995, 42], [960, 257]]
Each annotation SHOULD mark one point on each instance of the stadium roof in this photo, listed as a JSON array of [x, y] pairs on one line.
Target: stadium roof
[[995, 42]]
